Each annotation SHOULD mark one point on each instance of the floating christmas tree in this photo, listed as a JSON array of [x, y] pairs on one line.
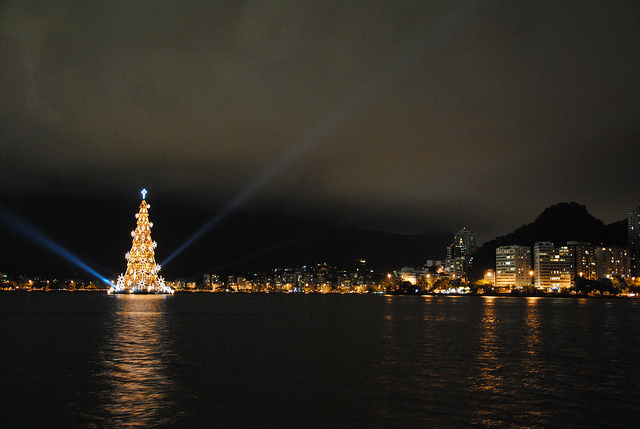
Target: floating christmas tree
[[142, 271]]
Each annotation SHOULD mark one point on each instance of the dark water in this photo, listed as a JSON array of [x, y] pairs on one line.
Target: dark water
[[317, 361]]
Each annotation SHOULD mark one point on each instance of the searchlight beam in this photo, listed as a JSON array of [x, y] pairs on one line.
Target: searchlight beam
[[425, 45], [13, 221]]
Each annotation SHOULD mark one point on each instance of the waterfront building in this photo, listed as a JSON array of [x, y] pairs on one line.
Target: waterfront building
[[465, 242], [490, 277], [582, 257], [216, 284], [513, 267], [412, 275], [551, 266], [613, 261], [460, 253], [242, 284], [179, 284], [633, 226]]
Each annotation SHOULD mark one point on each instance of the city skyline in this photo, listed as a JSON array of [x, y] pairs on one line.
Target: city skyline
[[553, 268], [409, 118]]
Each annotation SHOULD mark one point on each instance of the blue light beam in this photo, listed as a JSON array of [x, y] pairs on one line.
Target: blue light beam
[[35, 235], [437, 33]]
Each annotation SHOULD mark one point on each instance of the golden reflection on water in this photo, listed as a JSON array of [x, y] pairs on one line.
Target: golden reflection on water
[[134, 363], [498, 367], [489, 377], [532, 342], [489, 381]]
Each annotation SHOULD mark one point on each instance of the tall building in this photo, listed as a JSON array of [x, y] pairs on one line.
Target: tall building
[[513, 267], [460, 253], [215, 282], [582, 257], [464, 242], [633, 225], [542, 254], [551, 266], [613, 261]]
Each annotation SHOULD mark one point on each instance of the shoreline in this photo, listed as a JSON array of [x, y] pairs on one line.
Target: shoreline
[[429, 294]]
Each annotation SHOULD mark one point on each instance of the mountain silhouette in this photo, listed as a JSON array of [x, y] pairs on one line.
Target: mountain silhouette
[[558, 224]]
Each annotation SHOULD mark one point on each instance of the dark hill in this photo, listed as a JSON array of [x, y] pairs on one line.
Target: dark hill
[[244, 243], [559, 224]]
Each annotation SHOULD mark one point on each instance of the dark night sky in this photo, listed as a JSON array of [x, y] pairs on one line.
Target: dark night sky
[[404, 116]]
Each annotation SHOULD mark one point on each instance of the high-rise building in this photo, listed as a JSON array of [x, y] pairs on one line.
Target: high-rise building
[[513, 267], [460, 253], [552, 266], [613, 261], [215, 282], [582, 257], [542, 254], [633, 225], [464, 242]]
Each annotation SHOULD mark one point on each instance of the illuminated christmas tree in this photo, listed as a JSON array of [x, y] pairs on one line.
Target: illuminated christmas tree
[[142, 270]]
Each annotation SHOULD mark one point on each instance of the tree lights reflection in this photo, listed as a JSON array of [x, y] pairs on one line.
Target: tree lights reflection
[[134, 364]]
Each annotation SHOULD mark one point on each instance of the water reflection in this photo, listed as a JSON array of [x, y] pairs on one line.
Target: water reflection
[[488, 362], [134, 363], [531, 361]]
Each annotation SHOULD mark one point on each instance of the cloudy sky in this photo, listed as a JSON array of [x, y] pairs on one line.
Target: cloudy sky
[[406, 116]]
